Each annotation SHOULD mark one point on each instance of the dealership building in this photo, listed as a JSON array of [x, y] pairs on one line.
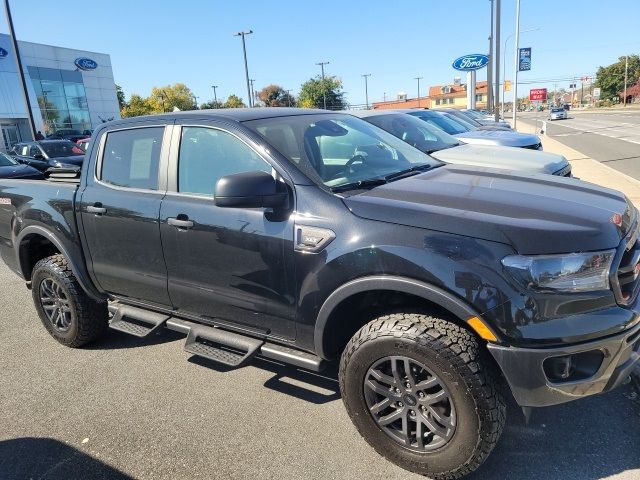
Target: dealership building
[[68, 89]]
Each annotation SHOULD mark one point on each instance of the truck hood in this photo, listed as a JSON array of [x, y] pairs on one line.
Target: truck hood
[[19, 171], [536, 214], [499, 137], [518, 159]]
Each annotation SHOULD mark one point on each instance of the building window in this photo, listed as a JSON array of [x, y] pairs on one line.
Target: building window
[[450, 100], [437, 101], [447, 89], [61, 98], [479, 97]]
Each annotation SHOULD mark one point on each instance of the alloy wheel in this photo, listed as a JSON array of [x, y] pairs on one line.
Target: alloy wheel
[[55, 304]]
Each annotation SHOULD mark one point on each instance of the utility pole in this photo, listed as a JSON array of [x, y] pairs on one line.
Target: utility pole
[[215, 95], [195, 101], [496, 41], [288, 97], [418, 79], [253, 92], [515, 64], [324, 90], [25, 93], [490, 65], [626, 69], [384, 96], [246, 67], [366, 89]]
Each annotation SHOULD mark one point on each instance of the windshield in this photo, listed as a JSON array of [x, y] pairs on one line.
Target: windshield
[[465, 122], [474, 114], [556, 110], [61, 149], [462, 116], [441, 121], [338, 149], [414, 131], [7, 161]]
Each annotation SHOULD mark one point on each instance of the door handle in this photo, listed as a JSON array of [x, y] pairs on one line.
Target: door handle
[[180, 222], [96, 208]]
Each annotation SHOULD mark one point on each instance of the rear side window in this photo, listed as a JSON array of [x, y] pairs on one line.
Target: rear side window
[[131, 158]]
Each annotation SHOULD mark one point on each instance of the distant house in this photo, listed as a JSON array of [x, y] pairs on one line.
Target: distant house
[[633, 93], [455, 95]]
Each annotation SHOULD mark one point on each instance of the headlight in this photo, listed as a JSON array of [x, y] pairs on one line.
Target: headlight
[[574, 272]]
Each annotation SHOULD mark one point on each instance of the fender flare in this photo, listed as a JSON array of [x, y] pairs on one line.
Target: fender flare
[[75, 263], [446, 300]]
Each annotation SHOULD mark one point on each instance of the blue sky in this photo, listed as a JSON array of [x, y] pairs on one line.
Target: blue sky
[[155, 43]]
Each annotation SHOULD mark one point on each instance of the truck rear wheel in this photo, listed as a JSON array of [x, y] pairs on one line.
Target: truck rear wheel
[[423, 393], [67, 312]]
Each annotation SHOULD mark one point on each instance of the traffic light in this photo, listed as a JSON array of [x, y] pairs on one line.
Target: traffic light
[[507, 85]]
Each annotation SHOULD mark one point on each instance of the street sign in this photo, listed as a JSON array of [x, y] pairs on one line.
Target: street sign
[[524, 62], [507, 85], [573, 85], [538, 94], [468, 63], [596, 92]]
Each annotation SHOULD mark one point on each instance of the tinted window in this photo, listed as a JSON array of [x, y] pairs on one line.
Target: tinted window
[[131, 158], [6, 161], [414, 131], [59, 149], [207, 154], [33, 151]]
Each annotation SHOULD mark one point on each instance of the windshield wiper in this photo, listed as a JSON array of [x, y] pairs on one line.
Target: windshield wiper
[[360, 184], [423, 167]]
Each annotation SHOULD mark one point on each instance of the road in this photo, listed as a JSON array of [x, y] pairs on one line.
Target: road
[[612, 138], [130, 408]]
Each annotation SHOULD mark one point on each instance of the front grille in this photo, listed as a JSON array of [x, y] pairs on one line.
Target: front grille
[[534, 146], [626, 280]]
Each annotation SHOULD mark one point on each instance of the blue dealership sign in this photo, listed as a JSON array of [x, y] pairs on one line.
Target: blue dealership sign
[[84, 63], [524, 59], [474, 61], [3, 53]]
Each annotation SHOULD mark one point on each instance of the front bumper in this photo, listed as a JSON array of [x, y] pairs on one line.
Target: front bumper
[[528, 374]]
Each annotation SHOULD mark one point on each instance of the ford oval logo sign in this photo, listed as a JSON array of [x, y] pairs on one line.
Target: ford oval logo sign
[[467, 63], [3, 53], [84, 63]]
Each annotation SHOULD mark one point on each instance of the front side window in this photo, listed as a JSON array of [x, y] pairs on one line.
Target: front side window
[[338, 149], [59, 149], [208, 154], [6, 161], [131, 158], [34, 151]]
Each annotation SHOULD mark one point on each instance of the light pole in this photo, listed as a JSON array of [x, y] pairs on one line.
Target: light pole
[[253, 92], [504, 60], [626, 69], [23, 82], [418, 79], [324, 90], [366, 89], [195, 101], [246, 67], [515, 64], [215, 95], [490, 64], [288, 97], [496, 41]]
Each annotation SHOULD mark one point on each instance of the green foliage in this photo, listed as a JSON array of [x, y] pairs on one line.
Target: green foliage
[[610, 79], [233, 101], [276, 96], [211, 104], [311, 93], [137, 106], [121, 99], [164, 99]]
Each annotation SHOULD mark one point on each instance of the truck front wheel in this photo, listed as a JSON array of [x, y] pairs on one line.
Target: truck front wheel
[[67, 312], [423, 393]]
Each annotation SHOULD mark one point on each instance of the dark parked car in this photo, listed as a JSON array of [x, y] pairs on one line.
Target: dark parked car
[[69, 134], [481, 124], [309, 236], [45, 154], [10, 168]]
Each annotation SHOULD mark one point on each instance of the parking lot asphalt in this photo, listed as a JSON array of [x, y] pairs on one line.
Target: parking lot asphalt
[[142, 408]]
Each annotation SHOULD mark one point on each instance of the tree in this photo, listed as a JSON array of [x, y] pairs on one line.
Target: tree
[[311, 93], [233, 101], [276, 96], [137, 106], [610, 79], [211, 104], [121, 99], [164, 99]]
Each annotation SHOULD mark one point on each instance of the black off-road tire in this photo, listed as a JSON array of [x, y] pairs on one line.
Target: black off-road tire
[[459, 359], [87, 319]]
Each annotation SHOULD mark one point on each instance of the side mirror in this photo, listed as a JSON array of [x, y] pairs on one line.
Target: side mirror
[[250, 190]]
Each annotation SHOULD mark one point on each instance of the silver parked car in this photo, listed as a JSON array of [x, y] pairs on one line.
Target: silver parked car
[[449, 149], [557, 113], [475, 136], [485, 118], [464, 117]]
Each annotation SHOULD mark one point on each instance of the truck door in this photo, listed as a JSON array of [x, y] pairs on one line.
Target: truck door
[[234, 264], [119, 210]]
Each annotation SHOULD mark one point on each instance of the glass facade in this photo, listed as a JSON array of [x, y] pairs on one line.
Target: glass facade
[[61, 98]]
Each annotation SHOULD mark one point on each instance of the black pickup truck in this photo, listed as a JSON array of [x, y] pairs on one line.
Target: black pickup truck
[[308, 237]]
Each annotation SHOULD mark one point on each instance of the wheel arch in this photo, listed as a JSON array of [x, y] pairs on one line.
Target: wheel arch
[[446, 301], [48, 244]]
